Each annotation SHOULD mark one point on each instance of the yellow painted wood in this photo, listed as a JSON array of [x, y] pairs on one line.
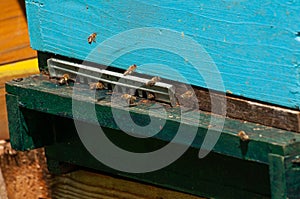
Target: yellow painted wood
[[18, 69], [8, 72]]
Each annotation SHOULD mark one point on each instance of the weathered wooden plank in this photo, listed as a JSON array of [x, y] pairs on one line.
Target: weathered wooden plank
[[285, 176], [83, 184], [252, 111], [14, 34], [38, 94], [277, 176], [292, 166], [16, 128], [216, 176], [25, 173], [253, 43]]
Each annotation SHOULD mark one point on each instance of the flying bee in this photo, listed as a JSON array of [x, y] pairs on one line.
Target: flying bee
[[97, 86], [92, 38], [243, 136], [130, 99], [130, 69], [153, 81], [64, 80]]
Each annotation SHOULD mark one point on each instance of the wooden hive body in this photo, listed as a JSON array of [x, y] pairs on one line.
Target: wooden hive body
[[253, 44]]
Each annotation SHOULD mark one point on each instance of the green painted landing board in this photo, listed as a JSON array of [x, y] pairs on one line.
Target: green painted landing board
[[40, 114], [39, 94]]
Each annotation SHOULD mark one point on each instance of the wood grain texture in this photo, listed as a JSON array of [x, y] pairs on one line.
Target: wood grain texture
[[14, 37], [84, 184], [253, 43], [216, 176], [25, 173], [257, 112]]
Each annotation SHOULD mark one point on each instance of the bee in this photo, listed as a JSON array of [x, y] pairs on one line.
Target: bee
[[130, 69], [188, 94], [92, 38], [153, 81], [150, 96], [188, 99], [130, 99], [243, 136], [97, 86], [64, 80]]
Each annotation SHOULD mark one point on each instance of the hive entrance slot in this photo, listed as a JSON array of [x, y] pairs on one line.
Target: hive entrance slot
[[125, 84]]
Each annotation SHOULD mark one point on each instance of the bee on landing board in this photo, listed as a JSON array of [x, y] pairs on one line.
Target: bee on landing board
[[97, 86], [64, 80], [243, 136], [187, 95], [130, 69], [150, 96], [153, 81], [92, 38], [130, 99]]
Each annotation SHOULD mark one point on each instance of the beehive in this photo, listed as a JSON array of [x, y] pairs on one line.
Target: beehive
[[245, 49]]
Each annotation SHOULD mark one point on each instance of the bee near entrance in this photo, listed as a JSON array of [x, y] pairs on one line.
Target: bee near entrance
[[99, 79]]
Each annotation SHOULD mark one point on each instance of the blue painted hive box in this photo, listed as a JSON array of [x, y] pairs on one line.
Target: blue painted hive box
[[246, 48]]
